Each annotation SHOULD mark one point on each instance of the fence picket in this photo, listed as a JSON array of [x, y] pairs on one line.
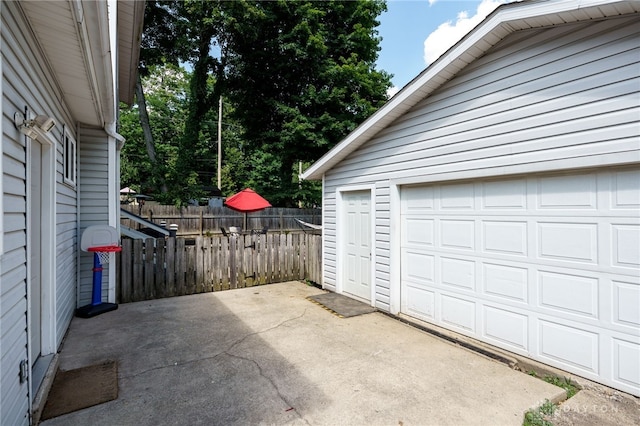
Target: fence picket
[[126, 272], [216, 269], [138, 270], [199, 265], [290, 266], [190, 280], [269, 259], [181, 266], [170, 259], [159, 271], [151, 268], [225, 251]]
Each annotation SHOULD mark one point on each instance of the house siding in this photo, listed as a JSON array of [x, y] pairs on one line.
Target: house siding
[[93, 174], [544, 99], [382, 245], [67, 246], [27, 82]]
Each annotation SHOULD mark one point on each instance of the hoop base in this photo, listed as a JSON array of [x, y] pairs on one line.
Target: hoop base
[[89, 311]]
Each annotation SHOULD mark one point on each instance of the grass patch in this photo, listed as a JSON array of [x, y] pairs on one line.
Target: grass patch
[[563, 383], [540, 416]]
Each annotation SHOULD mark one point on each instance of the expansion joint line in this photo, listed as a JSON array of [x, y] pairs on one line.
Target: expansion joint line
[[224, 352]]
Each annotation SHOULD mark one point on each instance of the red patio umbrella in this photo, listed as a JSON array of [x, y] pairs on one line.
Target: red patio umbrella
[[247, 201]]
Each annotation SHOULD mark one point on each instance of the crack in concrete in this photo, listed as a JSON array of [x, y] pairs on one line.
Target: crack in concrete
[[223, 352], [273, 384], [255, 333], [260, 371], [229, 354]]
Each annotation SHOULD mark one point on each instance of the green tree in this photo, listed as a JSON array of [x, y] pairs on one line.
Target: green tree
[[196, 157], [162, 43], [301, 76], [166, 90], [177, 32]]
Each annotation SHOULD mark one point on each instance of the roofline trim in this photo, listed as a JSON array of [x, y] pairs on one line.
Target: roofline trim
[[504, 20]]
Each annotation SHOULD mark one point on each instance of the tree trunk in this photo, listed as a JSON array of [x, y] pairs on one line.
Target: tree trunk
[[146, 129], [144, 121]]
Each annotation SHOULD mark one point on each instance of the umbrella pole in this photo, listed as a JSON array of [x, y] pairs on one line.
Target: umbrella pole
[[245, 221]]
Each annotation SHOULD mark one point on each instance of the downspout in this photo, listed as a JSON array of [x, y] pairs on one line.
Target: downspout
[[120, 140], [113, 191]]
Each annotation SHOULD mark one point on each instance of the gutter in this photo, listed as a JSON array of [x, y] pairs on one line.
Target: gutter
[[97, 53]]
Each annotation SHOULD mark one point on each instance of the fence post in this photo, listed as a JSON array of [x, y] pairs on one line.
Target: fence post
[[233, 260]]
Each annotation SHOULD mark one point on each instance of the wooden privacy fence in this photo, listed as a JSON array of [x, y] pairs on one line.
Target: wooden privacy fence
[[204, 220], [156, 268]]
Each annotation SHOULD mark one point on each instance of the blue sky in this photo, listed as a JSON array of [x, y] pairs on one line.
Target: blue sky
[[406, 25]]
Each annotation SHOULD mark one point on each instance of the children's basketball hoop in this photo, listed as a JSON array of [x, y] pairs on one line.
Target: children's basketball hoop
[[101, 240], [104, 251]]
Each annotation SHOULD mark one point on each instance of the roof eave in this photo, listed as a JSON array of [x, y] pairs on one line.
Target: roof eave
[[130, 27]]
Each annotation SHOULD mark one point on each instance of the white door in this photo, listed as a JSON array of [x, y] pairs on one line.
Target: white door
[[356, 229], [545, 266], [35, 241]]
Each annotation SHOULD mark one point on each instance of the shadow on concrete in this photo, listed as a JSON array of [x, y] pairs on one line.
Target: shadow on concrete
[[268, 355], [191, 360]]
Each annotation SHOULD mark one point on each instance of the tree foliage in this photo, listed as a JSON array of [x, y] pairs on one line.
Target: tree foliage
[[296, 77], [166, 94], [301, 76]]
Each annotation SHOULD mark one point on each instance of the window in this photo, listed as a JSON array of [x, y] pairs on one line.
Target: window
[[69, 156]]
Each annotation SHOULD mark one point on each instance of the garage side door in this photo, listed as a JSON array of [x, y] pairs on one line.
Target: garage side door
[[545, 266], [357, 244]]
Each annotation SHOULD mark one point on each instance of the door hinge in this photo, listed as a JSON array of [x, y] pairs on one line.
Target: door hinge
[[24, 370]]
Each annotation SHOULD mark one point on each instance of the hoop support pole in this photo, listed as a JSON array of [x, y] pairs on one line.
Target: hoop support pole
[[96, 307]]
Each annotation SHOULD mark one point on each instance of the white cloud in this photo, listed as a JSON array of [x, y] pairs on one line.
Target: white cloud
[[448, 33], [391, 91]]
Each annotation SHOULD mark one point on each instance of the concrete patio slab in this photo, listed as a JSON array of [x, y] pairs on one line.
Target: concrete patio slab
[[266, 355]]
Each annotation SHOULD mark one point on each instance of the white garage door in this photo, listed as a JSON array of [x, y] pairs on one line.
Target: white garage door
[[544, 266]]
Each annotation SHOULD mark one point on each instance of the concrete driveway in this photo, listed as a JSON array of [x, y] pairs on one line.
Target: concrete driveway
[[266, 355]]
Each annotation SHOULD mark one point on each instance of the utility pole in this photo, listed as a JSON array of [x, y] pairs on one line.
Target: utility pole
[[220, 144], [300, 181]]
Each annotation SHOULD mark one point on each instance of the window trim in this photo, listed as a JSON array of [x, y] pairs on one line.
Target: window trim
[[69, 157]]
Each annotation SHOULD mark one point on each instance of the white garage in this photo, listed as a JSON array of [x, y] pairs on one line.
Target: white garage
[[497, 195], [544, 266]]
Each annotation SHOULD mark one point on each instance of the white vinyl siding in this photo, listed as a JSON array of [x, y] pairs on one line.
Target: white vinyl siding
[[67, 246], [26, 82], [93, 173], [547, 102], [383, 242], [543, 99]]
